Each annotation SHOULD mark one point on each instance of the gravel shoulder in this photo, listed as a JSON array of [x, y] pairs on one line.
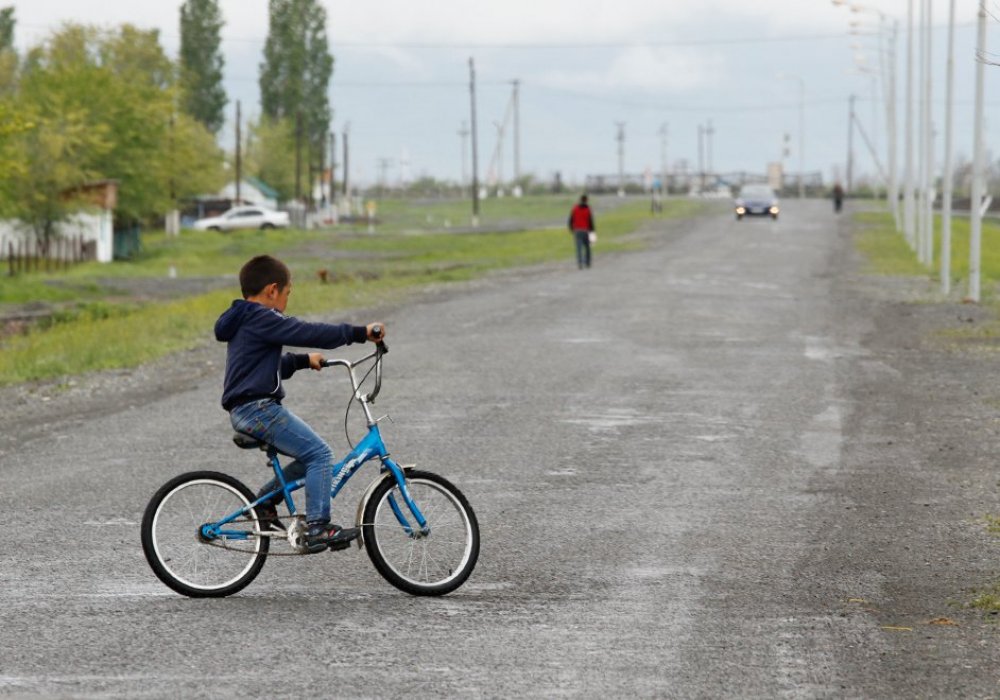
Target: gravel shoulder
[[908, 548]]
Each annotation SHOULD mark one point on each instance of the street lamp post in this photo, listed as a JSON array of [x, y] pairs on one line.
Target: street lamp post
[[888, 32], [802, 128], [975, 206], [927, 216], [946, 179], [908, 134], [802, 121]]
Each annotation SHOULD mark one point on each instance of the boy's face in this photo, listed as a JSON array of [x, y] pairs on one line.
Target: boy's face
[[274, 297], [281, 301]]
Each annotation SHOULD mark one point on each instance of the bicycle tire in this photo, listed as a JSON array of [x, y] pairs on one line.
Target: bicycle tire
[[454, 536], [179, 557]]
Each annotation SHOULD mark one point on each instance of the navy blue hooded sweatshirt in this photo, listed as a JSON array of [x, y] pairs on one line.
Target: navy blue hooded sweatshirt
[[255, 364]]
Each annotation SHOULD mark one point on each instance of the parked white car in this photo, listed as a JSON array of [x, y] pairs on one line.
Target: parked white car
[[243, 217]]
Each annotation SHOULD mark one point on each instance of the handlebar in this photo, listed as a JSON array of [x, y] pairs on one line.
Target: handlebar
[[380, 349]]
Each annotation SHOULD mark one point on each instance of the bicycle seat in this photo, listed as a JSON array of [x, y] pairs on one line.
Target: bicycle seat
[[248, 442]]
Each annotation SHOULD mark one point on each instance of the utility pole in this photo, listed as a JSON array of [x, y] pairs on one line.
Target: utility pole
[[709, 131], [475, 155], [298, 157], [496, 166], [517, 132], [621, 158], [663, 158], [802, 138], [345, 190], [850, 145], [239, 157], [172, 223], [333, 168], [701, 158], [383, 166], [463, 134]]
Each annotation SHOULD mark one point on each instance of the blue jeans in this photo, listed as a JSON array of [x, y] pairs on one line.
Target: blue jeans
[[582, 248], [271, 422]]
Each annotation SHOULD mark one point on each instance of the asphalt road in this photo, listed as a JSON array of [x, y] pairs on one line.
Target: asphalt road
[[699, 470]]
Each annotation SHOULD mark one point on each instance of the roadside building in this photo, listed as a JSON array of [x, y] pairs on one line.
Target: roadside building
[[92, 226]]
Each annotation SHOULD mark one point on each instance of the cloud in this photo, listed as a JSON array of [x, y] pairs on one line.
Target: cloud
[[513, 21], [645, 69]]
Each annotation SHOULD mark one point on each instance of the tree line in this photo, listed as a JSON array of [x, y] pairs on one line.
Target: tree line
[[89, 104]]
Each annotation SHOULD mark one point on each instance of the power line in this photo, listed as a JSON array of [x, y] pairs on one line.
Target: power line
[[500, 45]]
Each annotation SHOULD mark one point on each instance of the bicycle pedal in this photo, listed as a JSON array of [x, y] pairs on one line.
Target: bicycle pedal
[[337, 546]]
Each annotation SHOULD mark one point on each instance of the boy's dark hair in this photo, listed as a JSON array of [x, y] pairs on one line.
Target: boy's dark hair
[[260, 272], [583, 199]]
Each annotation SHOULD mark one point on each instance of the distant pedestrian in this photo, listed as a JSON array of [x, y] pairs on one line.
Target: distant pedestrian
[[838, 197], [656, 205], [581, 224]]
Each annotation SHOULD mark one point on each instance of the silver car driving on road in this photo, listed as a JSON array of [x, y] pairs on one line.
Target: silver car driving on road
[[243, 217]]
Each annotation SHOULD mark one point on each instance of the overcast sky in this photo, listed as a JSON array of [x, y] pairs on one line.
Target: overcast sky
[[401, 77]]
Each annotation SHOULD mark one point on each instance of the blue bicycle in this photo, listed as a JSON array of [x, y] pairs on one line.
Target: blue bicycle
[[203, 535]]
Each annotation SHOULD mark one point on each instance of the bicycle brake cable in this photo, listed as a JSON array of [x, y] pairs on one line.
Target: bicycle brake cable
[[350, 401]]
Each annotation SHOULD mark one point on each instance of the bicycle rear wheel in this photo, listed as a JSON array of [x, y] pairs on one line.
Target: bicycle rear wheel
[[180, 552], [433, 564]]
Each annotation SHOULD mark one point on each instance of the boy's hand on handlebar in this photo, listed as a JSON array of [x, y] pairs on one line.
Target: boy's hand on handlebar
[[376, 332], [316, 361]]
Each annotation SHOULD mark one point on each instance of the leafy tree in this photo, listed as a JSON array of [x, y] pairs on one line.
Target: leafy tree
[[115, 97], [7, 23], [8, 55], [201, 63], [295, 74], [270, 154], [48, 159]]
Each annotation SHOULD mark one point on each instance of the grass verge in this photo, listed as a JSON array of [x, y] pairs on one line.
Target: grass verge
[[888, 253]]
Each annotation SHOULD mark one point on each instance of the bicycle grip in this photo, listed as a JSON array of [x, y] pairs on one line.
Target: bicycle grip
[[379, 343]]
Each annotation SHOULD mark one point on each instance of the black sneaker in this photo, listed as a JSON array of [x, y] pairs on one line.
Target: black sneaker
[[322, 535], [268, 518]]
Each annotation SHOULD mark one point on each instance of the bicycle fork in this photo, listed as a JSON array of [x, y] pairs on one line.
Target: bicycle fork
[[391, 470]]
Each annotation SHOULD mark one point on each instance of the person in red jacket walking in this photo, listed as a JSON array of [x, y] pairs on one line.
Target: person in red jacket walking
[[581, 225]]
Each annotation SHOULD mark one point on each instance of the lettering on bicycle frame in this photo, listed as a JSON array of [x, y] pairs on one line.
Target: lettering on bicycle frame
[[346, 470]]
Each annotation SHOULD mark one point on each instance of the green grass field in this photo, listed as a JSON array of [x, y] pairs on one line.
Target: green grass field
[[101, 324], [888, 253]]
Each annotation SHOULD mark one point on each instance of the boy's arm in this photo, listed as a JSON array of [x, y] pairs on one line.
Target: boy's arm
[[287, 330], [290, 362]]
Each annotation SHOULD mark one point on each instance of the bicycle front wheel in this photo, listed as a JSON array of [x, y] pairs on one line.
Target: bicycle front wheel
[[432, 563], [181, 547]]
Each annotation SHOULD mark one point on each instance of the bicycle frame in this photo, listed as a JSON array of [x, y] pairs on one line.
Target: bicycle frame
[[371, 447]]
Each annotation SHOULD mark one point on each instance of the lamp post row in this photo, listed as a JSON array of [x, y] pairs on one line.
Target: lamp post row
[[919, 167]]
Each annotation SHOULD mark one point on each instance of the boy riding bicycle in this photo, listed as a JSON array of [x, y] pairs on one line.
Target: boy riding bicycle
[[255, 329]]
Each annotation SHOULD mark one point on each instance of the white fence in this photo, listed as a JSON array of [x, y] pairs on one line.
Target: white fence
[[89, 227]]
